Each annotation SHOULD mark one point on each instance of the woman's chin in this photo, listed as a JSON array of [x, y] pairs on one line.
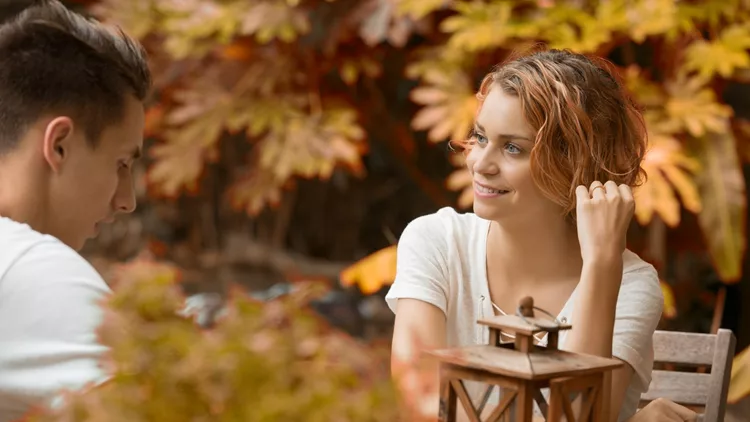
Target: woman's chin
[[488, 212]]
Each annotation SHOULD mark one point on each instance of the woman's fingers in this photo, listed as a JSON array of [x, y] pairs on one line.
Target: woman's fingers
[[582, 194], [612, 190], [682, 412], [597, 190]]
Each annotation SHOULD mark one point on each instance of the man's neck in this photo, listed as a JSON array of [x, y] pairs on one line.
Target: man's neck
[[21, 194]]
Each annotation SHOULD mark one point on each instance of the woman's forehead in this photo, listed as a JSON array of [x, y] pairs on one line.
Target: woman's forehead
[[502, 114]]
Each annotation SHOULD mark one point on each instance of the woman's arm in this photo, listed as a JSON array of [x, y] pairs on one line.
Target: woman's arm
[[419, 298], [419, 327], [603, 214], [594, 317]]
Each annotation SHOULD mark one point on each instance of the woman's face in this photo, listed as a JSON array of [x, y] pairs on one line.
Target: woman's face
[[499, 163]]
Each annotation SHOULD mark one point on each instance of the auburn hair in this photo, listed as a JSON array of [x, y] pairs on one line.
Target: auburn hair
[[587, 128]]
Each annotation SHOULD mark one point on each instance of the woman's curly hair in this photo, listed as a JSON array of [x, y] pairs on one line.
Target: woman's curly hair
[[586, 126]]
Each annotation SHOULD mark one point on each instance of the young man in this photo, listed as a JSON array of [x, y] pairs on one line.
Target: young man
[[71, 124]]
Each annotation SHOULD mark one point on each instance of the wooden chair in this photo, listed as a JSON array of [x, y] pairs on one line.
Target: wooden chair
[[703, 391]]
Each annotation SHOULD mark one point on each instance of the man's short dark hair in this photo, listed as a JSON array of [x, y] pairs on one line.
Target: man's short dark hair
[[53, 60]]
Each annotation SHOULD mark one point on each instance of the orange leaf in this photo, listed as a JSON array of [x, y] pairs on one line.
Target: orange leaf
[[668, 169], [449, 105], [461, 180], [372, 272], [254, 191], [177, 168], [153, 120], [739, 383]]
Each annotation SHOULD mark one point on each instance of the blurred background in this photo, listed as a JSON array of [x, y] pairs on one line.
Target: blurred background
[[291, 141]]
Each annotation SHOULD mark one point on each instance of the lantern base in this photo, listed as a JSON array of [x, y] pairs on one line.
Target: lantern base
[[583, 393]]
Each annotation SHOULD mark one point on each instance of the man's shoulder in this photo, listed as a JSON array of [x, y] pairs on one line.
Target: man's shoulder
[[30, 257]]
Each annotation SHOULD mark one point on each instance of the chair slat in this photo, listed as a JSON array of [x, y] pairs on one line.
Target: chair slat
[[686, 388], [684, 348]]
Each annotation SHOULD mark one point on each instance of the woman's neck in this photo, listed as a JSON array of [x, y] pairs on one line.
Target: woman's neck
[[535, 251]]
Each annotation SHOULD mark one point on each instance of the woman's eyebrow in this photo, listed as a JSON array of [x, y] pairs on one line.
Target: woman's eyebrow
[[480, 128]]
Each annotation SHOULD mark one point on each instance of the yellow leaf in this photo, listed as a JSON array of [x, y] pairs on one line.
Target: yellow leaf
[[478, 26], [693, 107], [352, 68], [721, 56], [272, 20], [136, 17], [177, 167], [450, 105], [739, 383], [668, 170], [565, 26], [310, 146], [193, 28], [349, 72], [651, 17], [380, 20], [670, 307], [417, 9], [645, 92], [722, 188], [253, 191], [372, 272]]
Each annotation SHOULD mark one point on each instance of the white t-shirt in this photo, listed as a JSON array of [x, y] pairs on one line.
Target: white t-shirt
[[49, 313], [442, 259]]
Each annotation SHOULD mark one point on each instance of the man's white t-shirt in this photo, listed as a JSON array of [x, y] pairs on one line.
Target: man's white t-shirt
[[49, 312], [442, 259]]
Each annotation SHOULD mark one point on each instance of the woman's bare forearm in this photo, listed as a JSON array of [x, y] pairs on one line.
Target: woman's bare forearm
[[593, 316]]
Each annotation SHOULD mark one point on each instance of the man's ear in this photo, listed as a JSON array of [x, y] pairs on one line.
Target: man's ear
[[57, 142]]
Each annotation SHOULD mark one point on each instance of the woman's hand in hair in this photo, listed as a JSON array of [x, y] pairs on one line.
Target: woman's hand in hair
[[603, 214]]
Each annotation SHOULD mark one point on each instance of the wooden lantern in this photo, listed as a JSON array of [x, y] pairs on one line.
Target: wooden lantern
[[521, 370]]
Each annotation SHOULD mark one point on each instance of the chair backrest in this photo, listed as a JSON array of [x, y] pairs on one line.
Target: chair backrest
[[702, 391]]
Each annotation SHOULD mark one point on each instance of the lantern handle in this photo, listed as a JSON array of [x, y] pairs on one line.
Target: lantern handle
[[526, 308]]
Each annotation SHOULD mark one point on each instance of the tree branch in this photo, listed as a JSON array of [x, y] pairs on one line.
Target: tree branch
[[240, 250]]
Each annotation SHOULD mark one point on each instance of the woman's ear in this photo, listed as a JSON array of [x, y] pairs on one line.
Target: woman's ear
[[57, 142]]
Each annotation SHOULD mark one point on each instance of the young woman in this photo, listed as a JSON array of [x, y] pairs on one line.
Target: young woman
[[554, 153]]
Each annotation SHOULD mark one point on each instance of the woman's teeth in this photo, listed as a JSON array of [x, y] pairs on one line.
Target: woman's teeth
[[489, 191]]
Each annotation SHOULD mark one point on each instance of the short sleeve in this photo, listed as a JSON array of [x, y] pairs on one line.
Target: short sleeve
[[421, 265], [639, 309], [50, 302]]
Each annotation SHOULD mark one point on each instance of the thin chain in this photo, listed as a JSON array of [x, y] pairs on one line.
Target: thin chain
[[497, 308]]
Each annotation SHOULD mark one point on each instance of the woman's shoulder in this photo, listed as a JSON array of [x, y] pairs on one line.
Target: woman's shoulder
[[446, 222], [634, 265], [639, 276]]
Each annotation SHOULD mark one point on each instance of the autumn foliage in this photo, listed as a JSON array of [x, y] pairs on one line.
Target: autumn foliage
[[254, 97], [260, 362]]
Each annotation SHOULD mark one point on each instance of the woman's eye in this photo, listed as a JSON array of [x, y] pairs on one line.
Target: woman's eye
[[480, 139], [512, 149]]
